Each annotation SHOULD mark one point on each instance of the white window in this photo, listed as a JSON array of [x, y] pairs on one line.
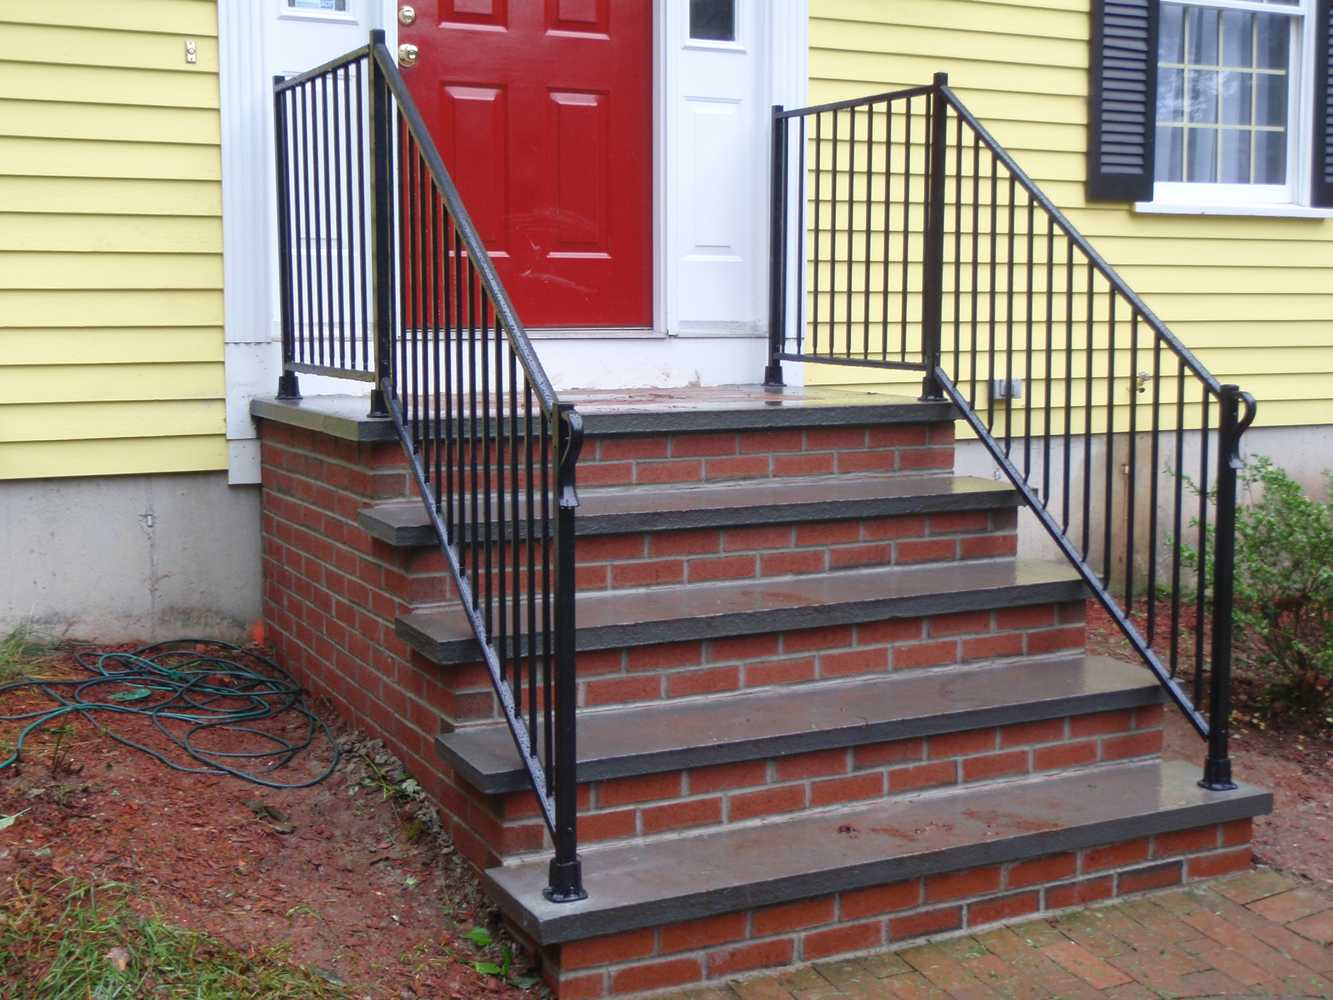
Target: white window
[[1231, 122]]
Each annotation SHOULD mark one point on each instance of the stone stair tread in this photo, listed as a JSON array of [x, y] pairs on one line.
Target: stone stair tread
[[641, 885], [612, 510], [678, 613], [646, 739], [648, 411]]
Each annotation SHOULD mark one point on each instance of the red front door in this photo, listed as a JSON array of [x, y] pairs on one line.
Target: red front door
[[542, 110]]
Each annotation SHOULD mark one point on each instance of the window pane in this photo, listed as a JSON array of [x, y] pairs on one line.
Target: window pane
[[1201, 96], [1274, 42], [1171, 41], [713, 20], [1271, 99], [1237, 38], [1270, 157], [1171, 95], [1170, 154], [335, 5], [1201, 156], [1237, 95], [1235, 156], [1201, 35]]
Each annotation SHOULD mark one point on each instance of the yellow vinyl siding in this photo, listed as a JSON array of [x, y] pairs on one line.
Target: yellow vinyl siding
[[110, 239], [1253, 297]]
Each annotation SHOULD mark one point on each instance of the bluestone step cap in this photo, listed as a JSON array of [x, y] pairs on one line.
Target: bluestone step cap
[[755, 725], [610, 619], [608, 511], [702, 875]]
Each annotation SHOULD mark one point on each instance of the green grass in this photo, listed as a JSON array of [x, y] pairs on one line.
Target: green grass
[[25, 650], [77, 941]]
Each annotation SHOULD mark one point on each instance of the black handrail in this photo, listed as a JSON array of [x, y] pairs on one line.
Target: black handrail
[[373, 236], [981, 281]]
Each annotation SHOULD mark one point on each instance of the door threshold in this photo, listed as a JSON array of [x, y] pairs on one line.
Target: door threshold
[[595, 333]]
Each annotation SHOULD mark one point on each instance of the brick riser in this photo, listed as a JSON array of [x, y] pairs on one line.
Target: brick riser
[[667, 558], [672, 801], [716, 948], [319, 484], [645, 674]]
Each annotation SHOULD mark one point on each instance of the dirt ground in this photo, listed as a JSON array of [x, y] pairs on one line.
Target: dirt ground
[[347, 874], [344, 872]]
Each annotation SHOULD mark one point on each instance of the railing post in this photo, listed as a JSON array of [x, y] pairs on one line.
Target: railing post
[[381, 239], [1217, 768], [932, 278], [777, 251], [288, 385], [566, 873]]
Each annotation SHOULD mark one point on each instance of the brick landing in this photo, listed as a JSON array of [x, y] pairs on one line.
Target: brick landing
[[1257, 934]]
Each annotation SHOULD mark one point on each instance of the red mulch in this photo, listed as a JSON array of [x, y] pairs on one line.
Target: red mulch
[[354, 890], [1292, 759]]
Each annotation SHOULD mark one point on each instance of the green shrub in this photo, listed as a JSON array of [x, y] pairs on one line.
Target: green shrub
[[1284, 588]]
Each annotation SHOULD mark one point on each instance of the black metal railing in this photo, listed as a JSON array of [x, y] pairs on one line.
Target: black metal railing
[[921, 245], [384, 278]]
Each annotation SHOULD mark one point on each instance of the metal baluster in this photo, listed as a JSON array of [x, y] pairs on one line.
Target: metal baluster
[[1133, 468], [1154, 465], [362, 185], [1087, 420], [851, 219], [1027, 343], [474, 436], [976, 262], [326, 250], [870, 199], [1050, 353], [994, 277], [1201, 585], [1009, 317], [800, 239], [833, 243], [336, 256], [1109, 503], [1069, 378], [814, 273], [907, 229], [1177, 517], [957, 242], [888, 226]]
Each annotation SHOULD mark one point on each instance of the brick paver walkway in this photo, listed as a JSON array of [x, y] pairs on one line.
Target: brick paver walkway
[[1259, 934]]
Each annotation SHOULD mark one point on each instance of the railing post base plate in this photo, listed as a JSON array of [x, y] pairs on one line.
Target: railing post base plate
[[288, 386], [566, 882], [773, 376], [378, 407], [1217, 775]]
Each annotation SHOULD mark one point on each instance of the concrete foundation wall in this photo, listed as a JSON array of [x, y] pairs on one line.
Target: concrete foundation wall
[[1304, 452], [130, 557]]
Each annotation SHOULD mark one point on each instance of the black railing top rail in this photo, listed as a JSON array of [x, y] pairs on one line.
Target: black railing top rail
[[854, 102], [346, 59], [467, 231]]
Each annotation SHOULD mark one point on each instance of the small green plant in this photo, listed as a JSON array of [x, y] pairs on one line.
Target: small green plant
[[1283, 587], [504, 968], [25, 649]]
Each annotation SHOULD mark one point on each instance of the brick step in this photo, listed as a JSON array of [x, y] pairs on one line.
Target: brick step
[[646, 772], [707, 906], [705, 639], [643, 536], [758, 725]]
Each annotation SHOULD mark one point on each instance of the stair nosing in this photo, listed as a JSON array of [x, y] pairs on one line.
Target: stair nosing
[[549, 923], [413, 628], [1132, 692], [989, 495]]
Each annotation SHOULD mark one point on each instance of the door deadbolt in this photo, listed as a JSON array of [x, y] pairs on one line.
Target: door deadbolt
[[407, 54], [407, 14]]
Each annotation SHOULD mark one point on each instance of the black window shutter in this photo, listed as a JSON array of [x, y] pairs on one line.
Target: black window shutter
[[1322, 193], [1122, 102]]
